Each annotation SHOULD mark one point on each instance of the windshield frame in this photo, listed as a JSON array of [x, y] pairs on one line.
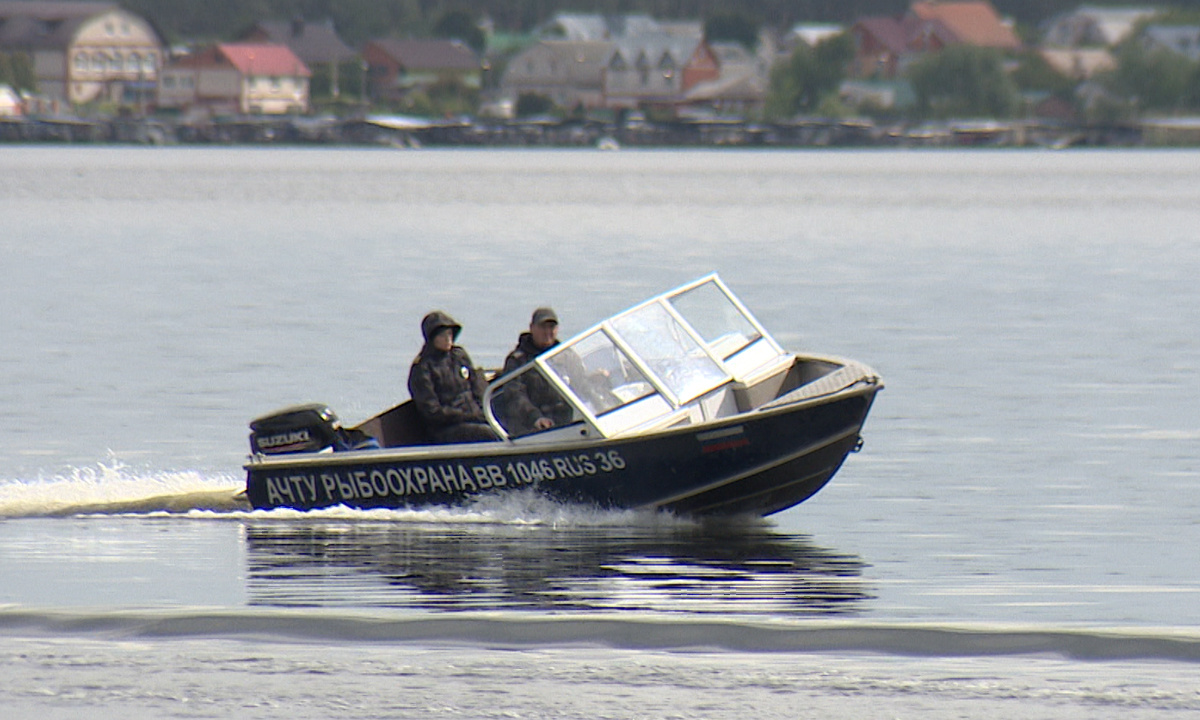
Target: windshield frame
[[595, 414]]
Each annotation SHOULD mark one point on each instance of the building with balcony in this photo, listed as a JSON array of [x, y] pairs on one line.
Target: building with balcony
[[84, 52]]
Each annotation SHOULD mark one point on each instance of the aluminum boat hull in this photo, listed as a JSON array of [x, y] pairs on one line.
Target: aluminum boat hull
[[757, 463]]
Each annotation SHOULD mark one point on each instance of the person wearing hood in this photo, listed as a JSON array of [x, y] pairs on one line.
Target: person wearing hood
[[534, 404], [445, 387]]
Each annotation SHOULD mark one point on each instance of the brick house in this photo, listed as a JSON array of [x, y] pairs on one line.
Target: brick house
[[725, 78], [885, 46], [398, 67], [974, 22], [881, 47]]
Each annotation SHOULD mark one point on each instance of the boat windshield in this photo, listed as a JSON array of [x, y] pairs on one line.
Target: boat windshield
[[528, 401], [669, 351], [592, 373], [716, 319], [639, 367], [600, 373]]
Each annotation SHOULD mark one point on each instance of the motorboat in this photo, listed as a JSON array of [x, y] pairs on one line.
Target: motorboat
[[682, 403]]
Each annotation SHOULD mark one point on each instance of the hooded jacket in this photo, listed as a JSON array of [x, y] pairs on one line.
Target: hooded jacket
[[437, 320], [445, 386]]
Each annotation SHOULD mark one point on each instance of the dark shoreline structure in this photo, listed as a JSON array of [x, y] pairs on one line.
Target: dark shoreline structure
[[403, 132]]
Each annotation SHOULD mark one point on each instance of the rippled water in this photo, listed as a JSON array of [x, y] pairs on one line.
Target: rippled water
[[1016, 539]]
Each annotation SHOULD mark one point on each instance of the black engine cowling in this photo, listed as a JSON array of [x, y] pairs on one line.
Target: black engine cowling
[[301, 428], [305, 428]]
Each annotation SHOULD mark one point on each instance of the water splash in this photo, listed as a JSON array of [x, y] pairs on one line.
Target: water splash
[[522, 508], [112, 488]]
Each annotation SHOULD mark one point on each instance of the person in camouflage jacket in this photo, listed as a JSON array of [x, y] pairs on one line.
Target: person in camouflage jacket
[[445, 385]]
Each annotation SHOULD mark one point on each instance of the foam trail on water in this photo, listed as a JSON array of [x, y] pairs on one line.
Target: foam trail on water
[[114, 489], [523, 507]]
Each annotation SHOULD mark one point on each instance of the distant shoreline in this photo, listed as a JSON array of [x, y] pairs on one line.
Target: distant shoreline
[[404, 132]]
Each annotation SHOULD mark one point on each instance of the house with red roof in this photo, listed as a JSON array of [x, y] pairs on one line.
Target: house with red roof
[[317, 43], [884, 46], [314, 42], [974, 22], [237, 78], [880, 47]]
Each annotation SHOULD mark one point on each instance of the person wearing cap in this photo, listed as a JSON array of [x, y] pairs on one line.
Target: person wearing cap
[[534, 404], [445, 386]]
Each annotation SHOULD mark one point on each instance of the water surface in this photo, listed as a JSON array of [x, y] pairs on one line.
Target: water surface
[[1028, 483]]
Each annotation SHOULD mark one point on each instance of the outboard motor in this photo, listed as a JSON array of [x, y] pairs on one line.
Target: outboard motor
[[300, 428]]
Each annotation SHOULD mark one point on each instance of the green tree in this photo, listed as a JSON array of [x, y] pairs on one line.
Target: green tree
[[23, 73], [362, 20], [16, 69], [358, 21], [459, 25], [800, 84], [964, 81], [1174, 16], [451, 98], [1157, 79], [1192, 91], [732, 27], [1034, 73]]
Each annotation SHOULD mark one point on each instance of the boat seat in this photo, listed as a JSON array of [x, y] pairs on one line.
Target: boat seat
[[399, 427], [718, 403], [763, 385]]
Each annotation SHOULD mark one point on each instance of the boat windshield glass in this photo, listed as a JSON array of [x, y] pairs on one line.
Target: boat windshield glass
[[599, 373], [670, 352], [527, 401], [719, 322]]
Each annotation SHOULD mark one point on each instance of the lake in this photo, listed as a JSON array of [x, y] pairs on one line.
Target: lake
[[1016, 539]]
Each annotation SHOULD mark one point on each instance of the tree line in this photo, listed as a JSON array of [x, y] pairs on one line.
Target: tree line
[[966, 81], [361, 20], [16, 70]]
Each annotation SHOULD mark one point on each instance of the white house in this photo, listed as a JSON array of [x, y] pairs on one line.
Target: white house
[[84, 51], [10, 102], [571, 73], [1090, 26]]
